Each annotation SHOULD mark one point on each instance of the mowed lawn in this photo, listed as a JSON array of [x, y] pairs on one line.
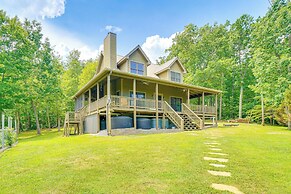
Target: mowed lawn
[[259, 161]]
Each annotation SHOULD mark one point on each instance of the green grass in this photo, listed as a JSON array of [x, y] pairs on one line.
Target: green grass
[[259, 160]]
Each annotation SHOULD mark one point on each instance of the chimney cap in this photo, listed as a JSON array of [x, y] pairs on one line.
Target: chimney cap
[[111, 33]]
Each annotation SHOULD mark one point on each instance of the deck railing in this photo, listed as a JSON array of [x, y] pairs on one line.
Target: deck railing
[[128, 102], [173, 116], [192, 115], [199, 109]]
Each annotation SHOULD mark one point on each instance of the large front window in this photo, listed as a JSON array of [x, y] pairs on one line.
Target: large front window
[[175, 76], [136, 68]]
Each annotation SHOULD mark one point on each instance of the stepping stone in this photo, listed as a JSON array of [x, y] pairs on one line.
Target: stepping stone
[[212, 146], [216, 153], [219, 173], [212, 143], [215, 149], [216, 159], [229, 188], [218, 165]]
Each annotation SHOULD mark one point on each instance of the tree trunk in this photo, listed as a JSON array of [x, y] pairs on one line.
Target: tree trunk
[[240, 102], [59, 123], [28, 123], [48, 119], [220, 107], [36, 117], [263, 110]]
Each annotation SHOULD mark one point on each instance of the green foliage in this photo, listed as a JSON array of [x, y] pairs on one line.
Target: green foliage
[[88, 72], [9, 137]]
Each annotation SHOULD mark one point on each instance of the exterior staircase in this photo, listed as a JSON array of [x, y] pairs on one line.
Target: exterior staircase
[[185, 120], [189, 124]]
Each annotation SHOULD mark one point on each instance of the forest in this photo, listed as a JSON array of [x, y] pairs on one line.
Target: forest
[[249, 60]]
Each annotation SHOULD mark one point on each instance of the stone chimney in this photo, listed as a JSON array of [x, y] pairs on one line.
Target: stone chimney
[[110, 51]]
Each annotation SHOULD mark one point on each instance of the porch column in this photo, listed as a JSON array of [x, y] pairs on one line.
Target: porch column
[[108, 113], [121, 86], [216, 110], [157, 106], [134, 104], [188, 97], [98, 115], [83, 100], [89, 101], [203, 110]]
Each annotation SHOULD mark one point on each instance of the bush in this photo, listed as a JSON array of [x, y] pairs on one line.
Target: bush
[[9, 137]]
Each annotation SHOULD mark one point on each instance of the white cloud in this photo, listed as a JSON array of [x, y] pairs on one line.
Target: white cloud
[[34, 9], [113, 29], [64, 41], [155, 46]]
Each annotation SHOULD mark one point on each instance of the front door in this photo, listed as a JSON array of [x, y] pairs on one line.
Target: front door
[[176, 104]]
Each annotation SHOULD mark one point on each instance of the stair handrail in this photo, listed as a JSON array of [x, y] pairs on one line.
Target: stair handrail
[[192, 115], [176, 118]]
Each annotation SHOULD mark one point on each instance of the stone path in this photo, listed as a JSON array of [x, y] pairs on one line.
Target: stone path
[[213, 145]]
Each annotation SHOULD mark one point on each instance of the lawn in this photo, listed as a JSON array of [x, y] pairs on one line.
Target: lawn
[[259, 161]]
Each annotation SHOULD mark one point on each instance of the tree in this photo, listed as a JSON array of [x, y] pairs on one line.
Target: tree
[[88, 72], [240, 33], [70, 78], [271, 54]]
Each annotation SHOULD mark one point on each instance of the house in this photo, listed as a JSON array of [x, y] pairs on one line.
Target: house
[[131, 92]]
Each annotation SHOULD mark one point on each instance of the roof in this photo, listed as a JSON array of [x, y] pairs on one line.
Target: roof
[[167, 65], [117, 72], [138, 47]]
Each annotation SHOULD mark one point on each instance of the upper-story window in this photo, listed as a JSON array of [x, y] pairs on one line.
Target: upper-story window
[[175, 76], [136, 68]]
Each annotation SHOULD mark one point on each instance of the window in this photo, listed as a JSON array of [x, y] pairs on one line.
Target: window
[[175, 76], [136, 68]]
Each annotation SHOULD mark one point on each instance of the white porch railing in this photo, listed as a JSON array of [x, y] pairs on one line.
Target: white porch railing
[[199, 109]]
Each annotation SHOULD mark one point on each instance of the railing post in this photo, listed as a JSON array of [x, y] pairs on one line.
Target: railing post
[[182, 125]]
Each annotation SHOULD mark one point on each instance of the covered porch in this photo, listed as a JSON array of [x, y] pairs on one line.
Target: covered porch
[[118, 94]]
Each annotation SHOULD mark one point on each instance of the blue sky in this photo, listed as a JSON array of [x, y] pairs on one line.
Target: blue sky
[[83, 24]]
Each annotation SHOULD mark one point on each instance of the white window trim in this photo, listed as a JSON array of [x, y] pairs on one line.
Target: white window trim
[[144, 67], [178, 73]]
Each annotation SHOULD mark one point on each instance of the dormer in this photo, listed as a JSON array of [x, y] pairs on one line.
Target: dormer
[[172, 70], [136, 62]]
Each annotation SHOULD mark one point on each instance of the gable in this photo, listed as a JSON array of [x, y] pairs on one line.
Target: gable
[[177, 68], [137, 56]]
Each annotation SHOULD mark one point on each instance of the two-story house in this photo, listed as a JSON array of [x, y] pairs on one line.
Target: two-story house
[[131, 92]]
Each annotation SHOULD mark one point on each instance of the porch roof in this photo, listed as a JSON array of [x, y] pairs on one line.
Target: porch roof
[[195, 91]]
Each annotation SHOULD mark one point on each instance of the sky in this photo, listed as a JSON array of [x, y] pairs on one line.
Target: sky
[[83, 24]]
